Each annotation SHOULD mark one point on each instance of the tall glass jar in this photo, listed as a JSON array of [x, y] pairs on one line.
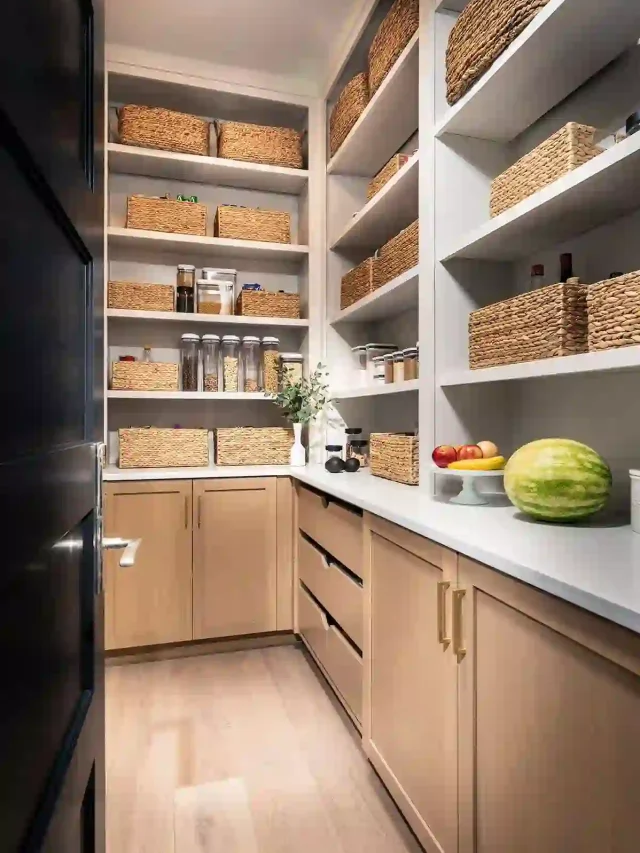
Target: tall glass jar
[[291, 367], [210, 362], [270, 364], [186, 276], [251, 363], [189, 351], [230, 362]]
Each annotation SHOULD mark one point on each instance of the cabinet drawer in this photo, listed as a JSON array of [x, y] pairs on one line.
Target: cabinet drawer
[[338, 593], [341, 662], [334, 527]]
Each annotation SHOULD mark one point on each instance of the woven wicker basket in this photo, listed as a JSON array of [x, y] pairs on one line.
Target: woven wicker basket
[[572, 146], [483, 31], [253, 446], [395, 457], [393, 35], [385, 174], [255, 143], [152, 127], [249, 223], [264, 303], [545, 323], [133, 296], [357, 283], [149, 447], [613, 308], [165, 214], [144, 376], [347, 110], [397, 256]]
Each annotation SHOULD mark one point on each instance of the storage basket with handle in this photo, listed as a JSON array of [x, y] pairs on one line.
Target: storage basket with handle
[[256, 143], [265, 303], [570, 147], [357, 283], [483, 31], [545, 323], [253, 445], [613, 308], [395, 457], [385, 174], [393, 35], [134, 296], [168, 215], [154, 127], [151, 447], [400, 254], [347, 110], [144, 376], [249, 223]]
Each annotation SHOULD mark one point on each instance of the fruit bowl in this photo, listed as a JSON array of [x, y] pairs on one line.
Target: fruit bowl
[[469, 495]]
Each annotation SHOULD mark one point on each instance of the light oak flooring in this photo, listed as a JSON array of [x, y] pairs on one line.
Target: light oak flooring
[[243, 752]]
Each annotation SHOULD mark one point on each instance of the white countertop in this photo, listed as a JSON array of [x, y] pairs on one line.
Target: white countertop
[[113, 473]]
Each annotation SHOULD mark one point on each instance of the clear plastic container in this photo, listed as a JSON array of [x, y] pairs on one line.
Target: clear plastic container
[[360, 361], [378, 370], [359, 449], [230, 362], [217, 274], [186, 276], [211, 362], [270, 364], [373, 351], [352, 434], [215, 297], [398, 366], [189, 353], [251, 363], [291, 367], [410, 358], [388, 368]]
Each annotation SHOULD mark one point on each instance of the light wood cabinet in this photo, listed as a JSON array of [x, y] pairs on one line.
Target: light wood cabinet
[[150, 602], [235, 557]]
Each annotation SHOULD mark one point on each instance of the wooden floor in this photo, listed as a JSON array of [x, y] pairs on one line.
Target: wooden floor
[[239, 753]]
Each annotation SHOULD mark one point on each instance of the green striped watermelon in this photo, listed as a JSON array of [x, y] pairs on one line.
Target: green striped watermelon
[[557, 479]]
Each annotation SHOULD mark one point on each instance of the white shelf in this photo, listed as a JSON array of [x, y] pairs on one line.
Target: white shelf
[[214, 472], [128, 160], [627, 358], [598, 192], [388, 212], [171, 317], [131, 239], [181, 396], [388, 120], [393, 298], [543, 65], [411, 385]]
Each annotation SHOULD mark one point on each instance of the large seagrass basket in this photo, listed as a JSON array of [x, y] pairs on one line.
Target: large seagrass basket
[[134, 296], [249, 223], [613, 308], [395, 457], [253, 445], [166, 214], [150, 447], [347, 110], [393, 35], [397, 256], [255, 143], [153, 127]]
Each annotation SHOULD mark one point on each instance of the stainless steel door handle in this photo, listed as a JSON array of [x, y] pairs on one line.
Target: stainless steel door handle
[[130, 547]]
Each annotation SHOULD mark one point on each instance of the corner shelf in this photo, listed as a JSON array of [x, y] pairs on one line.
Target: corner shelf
[[181, 396], [547, 61], [398, 295], [388, 212], [410, 386], [122, 316]]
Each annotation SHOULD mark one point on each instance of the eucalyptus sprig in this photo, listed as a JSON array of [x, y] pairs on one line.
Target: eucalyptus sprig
[[302, 401]]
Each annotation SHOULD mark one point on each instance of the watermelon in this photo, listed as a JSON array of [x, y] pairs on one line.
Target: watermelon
[[557, 479]]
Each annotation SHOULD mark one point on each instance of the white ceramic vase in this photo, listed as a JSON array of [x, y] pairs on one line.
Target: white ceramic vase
[[297, 456]]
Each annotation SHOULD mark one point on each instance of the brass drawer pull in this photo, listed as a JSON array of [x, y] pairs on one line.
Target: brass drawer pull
[[199, 510], [458, 641], [443, 639]]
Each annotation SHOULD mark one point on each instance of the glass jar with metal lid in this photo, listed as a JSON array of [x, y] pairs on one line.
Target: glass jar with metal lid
[[398, 366], [291, 367], [189, 352], [270, 364], [211, 362], [388, 368], [359, 449], [230, 362], [251, 363], [373, 351], [360, 361], [378, 370]]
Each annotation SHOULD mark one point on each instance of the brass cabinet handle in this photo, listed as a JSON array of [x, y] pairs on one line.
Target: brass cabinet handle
[[199, 509], [458, 641], [186, 512], [325, 502], [443, 586]]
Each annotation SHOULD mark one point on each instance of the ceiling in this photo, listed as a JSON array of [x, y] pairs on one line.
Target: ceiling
[[290, 38]]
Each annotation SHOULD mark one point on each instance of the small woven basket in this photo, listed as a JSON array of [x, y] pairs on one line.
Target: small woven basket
[[570, 147], [168, 215], [545, 323], [347, 110], [249, 223], [166, 130], [357, 283], [483, 31], [149, 447], [143, 376], [395, 457], [264, 303], [613, 308], [133, 296], [385, 174], [255, 143], [253, 446], [393, 35], [397, 256]]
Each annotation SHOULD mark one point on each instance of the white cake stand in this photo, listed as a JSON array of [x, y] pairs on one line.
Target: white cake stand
[[469, 495]]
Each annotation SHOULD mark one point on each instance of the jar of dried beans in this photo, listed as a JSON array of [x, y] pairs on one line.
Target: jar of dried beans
[[270, 364], [230, 362], [189, 351], [251, 363], [210, 362]]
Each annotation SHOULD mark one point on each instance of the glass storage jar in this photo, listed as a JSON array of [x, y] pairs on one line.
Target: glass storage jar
[[291, 367], [270, 364], [359, 449], [184, 300], [215, 297], [251, 363], [410, 358], [210, 362], [378, 370], [230, 362], [352, 434], [189, 351], [398, 366], [334, 462], [186, 276], [388, 369], [360, 361], [373, 351]]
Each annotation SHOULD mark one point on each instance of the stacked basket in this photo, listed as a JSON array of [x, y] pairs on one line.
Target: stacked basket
[[395, 457]]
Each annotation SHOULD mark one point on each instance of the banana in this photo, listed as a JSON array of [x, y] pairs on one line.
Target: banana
[[496, 463]]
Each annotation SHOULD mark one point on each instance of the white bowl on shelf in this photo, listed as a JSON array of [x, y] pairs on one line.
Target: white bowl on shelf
[[468, 495]]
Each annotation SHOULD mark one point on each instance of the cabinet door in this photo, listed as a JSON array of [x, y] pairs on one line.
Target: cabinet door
[[150, 602], [410, 733], [235, 562], [549, 722]]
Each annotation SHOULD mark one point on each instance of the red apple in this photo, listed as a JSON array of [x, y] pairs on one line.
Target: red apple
[[469, 451], [444, 454]]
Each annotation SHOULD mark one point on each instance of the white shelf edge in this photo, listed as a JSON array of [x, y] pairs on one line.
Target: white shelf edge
[[161, 237], [112, 473], [411, 385], [181, 396], [379, 295], [220, 320]]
